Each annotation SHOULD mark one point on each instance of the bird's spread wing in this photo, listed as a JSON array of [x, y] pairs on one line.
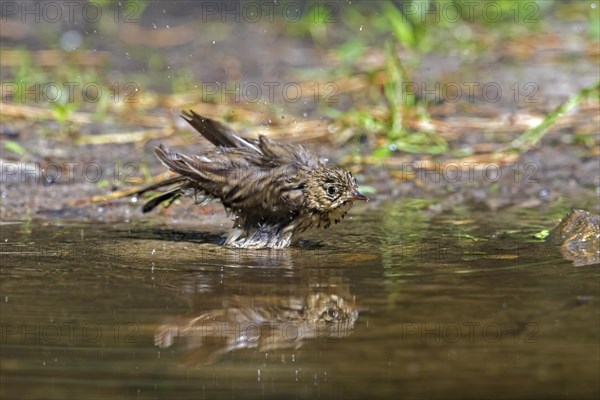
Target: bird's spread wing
[[218, 134], [210, 173], [282, 154], [274, 154], [239, 179]]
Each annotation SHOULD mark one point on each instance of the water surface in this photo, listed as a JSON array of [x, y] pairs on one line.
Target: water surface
[[391, 304]]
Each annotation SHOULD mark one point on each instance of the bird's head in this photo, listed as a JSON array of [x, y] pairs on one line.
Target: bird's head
[[330, 187]]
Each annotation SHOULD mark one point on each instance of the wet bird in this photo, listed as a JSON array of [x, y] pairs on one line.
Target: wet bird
[[274, 191]]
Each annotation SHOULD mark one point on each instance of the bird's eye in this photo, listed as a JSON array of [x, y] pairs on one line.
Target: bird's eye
[[330, 314], [331, 190]]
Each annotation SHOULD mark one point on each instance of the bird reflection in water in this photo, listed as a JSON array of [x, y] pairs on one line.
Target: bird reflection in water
[[260, 323]]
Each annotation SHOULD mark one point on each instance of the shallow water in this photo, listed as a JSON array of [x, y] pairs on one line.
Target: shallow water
[[391, 303]]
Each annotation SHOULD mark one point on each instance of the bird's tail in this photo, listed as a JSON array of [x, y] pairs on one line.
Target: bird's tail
[[175, 185], [175, 188]]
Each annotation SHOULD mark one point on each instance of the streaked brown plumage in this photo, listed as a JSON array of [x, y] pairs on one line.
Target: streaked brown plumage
[[275, 191]]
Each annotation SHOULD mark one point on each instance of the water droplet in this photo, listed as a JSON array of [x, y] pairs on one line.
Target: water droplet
[[70, 40]]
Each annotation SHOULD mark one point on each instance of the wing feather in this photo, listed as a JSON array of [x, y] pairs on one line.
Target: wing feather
[[281, 154], [217, 133]]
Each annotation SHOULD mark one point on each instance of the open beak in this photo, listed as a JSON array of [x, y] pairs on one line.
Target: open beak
[[357, 196]]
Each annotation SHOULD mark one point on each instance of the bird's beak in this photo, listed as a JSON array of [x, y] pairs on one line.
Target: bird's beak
[[357, 196]]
